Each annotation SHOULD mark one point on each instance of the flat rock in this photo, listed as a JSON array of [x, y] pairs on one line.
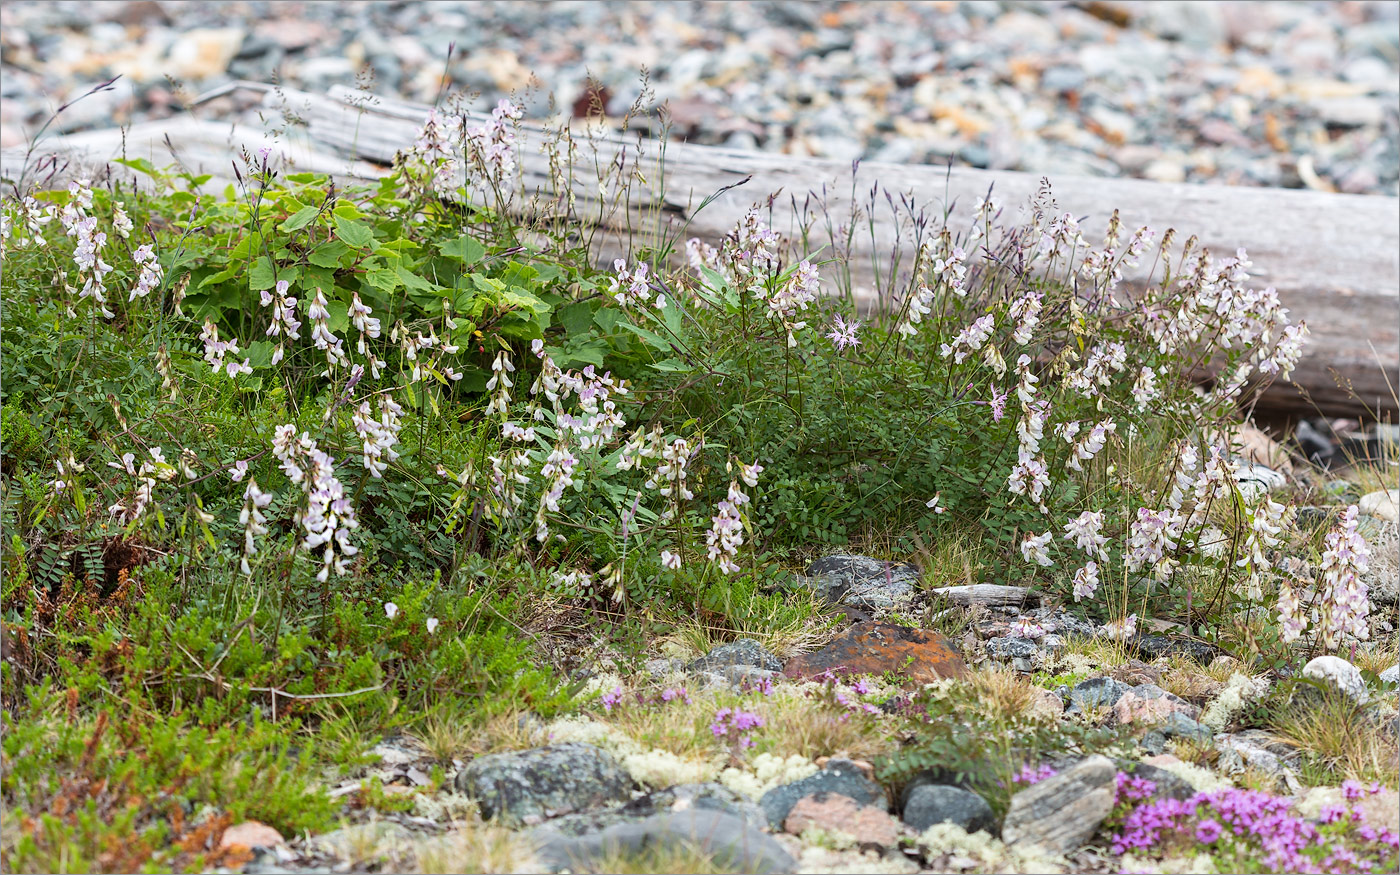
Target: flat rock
[[989, 595], [1060, 813], [1151, 647], [875, 648], [1391, 675], [862, 582], [941, 803], [1011, 647], [833, 812], [731, 844], [743, 652], [840, 776], [526, 787], [1167, 785]]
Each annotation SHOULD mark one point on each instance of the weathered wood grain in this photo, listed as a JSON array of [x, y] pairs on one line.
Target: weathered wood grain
[[1334, 258]]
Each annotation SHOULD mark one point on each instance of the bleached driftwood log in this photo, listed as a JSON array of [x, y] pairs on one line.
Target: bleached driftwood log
[[1334, 258]]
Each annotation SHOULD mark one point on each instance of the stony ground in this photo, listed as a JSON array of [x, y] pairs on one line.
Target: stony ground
[[638, 769], [1271, 94]]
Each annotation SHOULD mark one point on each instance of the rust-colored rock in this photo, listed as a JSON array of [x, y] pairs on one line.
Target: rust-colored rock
[[250, 834], [921, 655]]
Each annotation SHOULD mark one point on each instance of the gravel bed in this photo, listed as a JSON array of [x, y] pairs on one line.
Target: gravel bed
[[1265, 94]]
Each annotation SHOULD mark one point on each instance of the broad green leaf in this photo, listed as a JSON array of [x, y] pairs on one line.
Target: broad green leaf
[[671, 365], [140, 164], [412, 280], [577, 319], [262, 276], [465, 248], [298, 220], [654, 340], [357, 235]]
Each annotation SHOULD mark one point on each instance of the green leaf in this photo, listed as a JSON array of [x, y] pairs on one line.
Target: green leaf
[[413, 281], [357, 235], [577, 319], [654, 340], [140, 164], [262, 276], [328, 254], [465, 248], [298, 220], [671, 365], [383, 280]]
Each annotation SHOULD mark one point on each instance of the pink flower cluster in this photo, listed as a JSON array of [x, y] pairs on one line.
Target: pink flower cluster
[[734, 726], [1255, 825]]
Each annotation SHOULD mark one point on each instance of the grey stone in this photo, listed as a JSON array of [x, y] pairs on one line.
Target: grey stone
[[1095, 693], [939, 803], [707, 796], [840, 776], [1257, 750], [1391, 675], [744, 652], [1340, 674], [730, 842], [1150, 647], [1009, 648], [662, 666], [869, 584], [1255, 479], [1060, 813], [1167, 785], [529, 786]]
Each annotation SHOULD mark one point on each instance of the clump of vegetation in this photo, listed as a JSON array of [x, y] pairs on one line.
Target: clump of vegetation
[[291, 468]]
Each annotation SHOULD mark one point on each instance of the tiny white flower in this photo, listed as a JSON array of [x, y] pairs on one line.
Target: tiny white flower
[[670, 560], [432, 624], [238, 471], [934, 505], [391, 610]]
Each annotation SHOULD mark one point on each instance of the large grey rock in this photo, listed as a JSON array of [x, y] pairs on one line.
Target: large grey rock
[[744, 652], [681, 797], [1095, 693], [939, 803], [1167, 785], [840, 776], [862, 582], [529, 786], [1391, 675], [1009, 648], [1339, 673], [730, 843], [1060, 813]]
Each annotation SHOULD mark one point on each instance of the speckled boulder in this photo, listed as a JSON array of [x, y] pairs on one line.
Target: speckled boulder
[[863, 582], [527, 787], [744, 652], [727, 840]]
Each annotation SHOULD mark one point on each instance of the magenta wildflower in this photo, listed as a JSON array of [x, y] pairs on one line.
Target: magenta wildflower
[[1207, 831], [843, 333], [998, 404], [611, 698]]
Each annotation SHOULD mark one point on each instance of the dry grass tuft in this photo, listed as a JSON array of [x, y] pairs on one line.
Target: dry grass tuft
[[1002, 693], [1339, 734], [476, 848]]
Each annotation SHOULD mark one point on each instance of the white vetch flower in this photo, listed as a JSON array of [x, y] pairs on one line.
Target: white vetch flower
[[391, 610]]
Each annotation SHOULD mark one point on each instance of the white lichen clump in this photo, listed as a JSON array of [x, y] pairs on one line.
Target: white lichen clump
[[1240, 690], [981, 851], [769, 771], [652, 768], [1201, 780]]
